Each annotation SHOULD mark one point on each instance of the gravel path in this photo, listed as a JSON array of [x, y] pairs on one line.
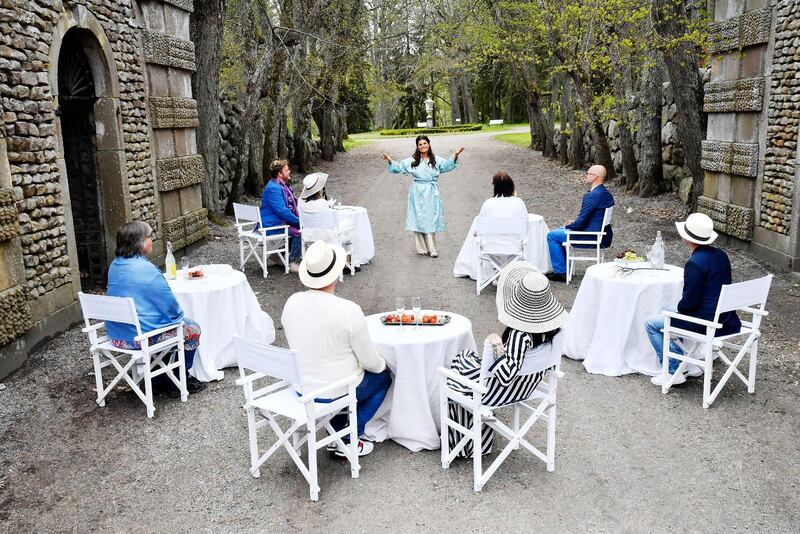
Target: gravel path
[[628, 458]]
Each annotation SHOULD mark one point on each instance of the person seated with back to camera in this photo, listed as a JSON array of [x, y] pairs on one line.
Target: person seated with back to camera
[[314, 199], [503, 203], [330, 333], [533, 317], [590, 219], [706, 271], [132, 275]]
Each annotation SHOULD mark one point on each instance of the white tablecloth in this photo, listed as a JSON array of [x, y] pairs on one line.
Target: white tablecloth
[[537, 252], [606, 324], [410, 413], [224, 305], [364, 246]]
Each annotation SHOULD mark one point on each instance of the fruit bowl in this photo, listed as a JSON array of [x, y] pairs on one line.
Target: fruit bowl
[[195, 274], [628, 256], [394, 319]]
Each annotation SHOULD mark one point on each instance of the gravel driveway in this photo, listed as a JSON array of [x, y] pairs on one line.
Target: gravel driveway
[[628, 458]]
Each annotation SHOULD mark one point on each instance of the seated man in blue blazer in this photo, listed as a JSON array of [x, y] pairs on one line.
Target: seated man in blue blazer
[[279, 208], [704, 274], [590, 219]]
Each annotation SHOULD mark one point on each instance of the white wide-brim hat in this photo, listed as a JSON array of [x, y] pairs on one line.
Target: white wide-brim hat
[[525, 302], [322, 264], [313, 183], [698, 228]]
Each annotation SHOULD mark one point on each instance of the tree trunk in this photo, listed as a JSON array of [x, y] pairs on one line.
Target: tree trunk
[[341, 126], [681, 60], [651, 173], [206, 30], [469, 105], [564, 113], [254, 183], [455, 109], [596, 129]]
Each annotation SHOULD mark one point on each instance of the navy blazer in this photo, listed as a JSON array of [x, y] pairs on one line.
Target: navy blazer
[[707, 270], [593, 208]]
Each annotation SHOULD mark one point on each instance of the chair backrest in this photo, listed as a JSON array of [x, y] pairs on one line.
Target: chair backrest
[[744, 294], [607, 217], [324, 220], [105, 308], [501, 226], [537, 359], [269, 360], [245, 213]]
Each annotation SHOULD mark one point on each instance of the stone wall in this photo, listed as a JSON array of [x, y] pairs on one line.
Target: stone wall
[[230, 134]]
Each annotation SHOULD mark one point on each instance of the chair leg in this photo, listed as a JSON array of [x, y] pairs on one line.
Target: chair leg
[[241, 254], [355, 466], [312, 462], [708, 371], [182, 371], [444, 416], [551, 437], [253, 439], [751, 376], [148, 388], [98, 379], [515, 422], [477, 450]]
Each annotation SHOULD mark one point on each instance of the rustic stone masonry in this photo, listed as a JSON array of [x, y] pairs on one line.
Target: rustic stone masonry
[[730, 219], [731, 158], [9, 222], [175, 173], [162, 49], [734, 95], [739, 32], [783, 120], [172, 112], [186, 5], [15, 314], [187, 229]]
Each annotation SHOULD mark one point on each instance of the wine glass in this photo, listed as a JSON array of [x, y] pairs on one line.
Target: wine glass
[[185, 266], [399, 308], [648, 252], [416, 305]]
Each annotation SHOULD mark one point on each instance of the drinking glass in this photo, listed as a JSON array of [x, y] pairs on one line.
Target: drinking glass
[[185, 266], [416, 305], [399, 308], [648, 251]]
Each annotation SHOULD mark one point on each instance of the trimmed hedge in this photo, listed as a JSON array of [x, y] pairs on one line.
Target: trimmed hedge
[[434, 130]]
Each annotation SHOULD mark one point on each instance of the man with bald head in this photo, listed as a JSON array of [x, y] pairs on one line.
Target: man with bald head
[[590, 219]]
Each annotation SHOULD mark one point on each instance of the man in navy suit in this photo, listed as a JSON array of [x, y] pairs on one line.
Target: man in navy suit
[[590, 219], [704, 274]]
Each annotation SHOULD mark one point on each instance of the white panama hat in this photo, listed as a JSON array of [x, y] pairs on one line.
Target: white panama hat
[[313, 183], [322, 264], [525, 302], [698, 229]]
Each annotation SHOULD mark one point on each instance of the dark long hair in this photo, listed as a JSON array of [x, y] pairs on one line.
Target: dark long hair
[[538, 339], [418, 156]]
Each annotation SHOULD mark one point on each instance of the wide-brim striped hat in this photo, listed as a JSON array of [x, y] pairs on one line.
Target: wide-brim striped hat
[[525, 302]]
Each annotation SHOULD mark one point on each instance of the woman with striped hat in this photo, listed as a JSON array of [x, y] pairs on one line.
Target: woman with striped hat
[[533, 317]]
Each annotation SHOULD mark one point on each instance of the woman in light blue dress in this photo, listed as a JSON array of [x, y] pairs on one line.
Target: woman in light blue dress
[[425, 212]]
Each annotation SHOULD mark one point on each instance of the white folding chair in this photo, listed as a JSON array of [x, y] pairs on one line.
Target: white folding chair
[[577, 240], [498, 239], [267, 405], [541, 406], [143, 364], [251, 235], [703, 348], [325, 224]]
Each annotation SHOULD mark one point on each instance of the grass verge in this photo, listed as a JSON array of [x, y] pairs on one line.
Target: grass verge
[[520, 139]]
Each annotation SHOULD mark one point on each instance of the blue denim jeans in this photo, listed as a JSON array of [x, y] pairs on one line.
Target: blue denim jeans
[[555, 240], [295, 253], [653, 327], [369, 394]]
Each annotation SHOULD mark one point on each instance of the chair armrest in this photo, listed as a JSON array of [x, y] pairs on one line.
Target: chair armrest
[[151, 333], [319, 392], [240, 226], [250, 378], [690, 319], [284, 227], [579, 232], [466, 382], [754, 311], [93, 327]]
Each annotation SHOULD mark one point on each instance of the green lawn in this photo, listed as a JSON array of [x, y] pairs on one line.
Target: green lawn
[[519, 139], [355, 142], [376, 135]]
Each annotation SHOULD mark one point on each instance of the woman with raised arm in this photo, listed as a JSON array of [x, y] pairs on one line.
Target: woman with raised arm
[[425, 212]]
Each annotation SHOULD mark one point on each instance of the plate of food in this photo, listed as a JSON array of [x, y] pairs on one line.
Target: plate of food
[[394, 319], [628, 256], [195, 274]]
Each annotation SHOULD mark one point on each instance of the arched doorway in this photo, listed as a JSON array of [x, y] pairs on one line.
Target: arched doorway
[[76, 95]]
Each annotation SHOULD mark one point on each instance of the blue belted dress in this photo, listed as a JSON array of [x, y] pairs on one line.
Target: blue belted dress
[[425, 212]]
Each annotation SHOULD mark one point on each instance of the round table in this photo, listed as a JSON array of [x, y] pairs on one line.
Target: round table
[[363, 244], [224, 305], [536, 252], [606, 324], [410, 413]]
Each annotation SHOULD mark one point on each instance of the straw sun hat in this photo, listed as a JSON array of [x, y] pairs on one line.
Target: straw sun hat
[[698, 228], [524, 300], [313, 183], [322, 264]]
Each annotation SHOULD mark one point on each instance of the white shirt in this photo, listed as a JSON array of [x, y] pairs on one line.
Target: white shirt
[[329, 235], [330, 333], [503, 207]]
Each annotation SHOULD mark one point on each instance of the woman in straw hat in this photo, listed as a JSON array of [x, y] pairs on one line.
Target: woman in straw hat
[[533, 317], [313, 199]]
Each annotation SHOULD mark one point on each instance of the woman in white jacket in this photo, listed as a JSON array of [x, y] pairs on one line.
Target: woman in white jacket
[[504, 203]]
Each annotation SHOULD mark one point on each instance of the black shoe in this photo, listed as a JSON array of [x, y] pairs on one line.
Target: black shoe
[[357, 269], [193, 385], [557, 277]]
